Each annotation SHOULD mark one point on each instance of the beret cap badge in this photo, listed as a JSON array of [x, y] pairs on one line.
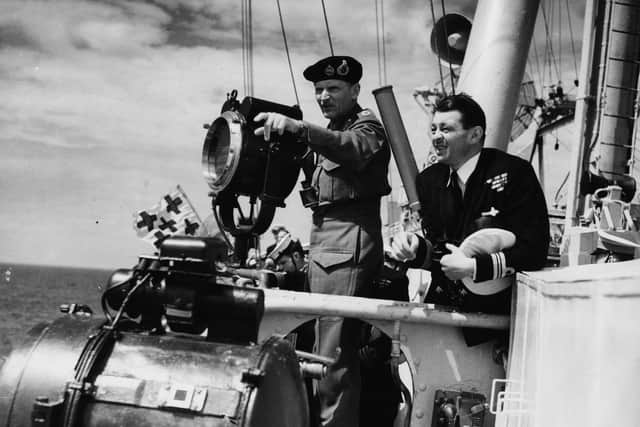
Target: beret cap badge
[[329, 71], [343, 68]]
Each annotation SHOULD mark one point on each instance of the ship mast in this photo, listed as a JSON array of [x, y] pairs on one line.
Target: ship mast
[[495, 61], [607, 124]]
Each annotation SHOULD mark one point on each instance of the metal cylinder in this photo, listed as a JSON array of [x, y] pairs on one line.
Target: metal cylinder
[[399, 142], [143, 380], [495, 60]]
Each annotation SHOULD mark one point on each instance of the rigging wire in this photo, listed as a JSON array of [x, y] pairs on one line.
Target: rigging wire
[[247, 47], [244, 46], [286, 47], [381, 43], [433, 17], [326, 23], [559, 38], [573, 46], [549, 44], [539, 70], [250, 34], [453, 85], [378, 44], [384, 44]]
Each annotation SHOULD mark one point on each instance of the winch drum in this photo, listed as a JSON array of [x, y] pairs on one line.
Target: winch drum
[[150, 380]]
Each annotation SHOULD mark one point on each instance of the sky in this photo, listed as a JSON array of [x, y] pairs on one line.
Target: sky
[[103, 103]]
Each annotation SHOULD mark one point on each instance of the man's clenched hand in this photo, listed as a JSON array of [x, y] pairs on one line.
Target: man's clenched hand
[[404, 246], [457, 265]]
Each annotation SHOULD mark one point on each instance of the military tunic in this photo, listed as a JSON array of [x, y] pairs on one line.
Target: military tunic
[[346, 252]]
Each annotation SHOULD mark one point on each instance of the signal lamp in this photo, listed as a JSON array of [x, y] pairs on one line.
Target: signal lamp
[[238, 164]]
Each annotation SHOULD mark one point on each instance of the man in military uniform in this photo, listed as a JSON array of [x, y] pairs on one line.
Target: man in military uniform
[[349, 178], [467, 189]]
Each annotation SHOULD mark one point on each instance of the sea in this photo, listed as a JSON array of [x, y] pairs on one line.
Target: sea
[[32, 294]]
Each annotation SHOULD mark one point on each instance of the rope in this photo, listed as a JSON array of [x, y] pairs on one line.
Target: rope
[[286, 47], [433, 17], [453, 85], [326, 23]]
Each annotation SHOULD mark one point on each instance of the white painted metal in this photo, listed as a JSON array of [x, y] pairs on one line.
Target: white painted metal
[[430, 338], [575, 355], [495, 60]]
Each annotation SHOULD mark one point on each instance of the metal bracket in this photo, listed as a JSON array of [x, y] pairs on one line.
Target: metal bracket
[[186, 397], [46, 413], [506, 402], [252, 377], [82, 387]]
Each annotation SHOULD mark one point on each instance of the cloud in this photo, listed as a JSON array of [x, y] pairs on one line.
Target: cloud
[[63, 27], [104, 101]]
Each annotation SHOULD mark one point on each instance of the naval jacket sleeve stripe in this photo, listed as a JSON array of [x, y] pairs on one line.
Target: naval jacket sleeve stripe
[[495, 261], [503, 264], [490, 266]]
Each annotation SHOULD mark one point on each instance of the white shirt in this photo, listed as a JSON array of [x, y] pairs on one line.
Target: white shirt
[[465, 171]]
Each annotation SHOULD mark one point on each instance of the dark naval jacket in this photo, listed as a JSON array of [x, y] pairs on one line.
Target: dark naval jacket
[[502, 192]]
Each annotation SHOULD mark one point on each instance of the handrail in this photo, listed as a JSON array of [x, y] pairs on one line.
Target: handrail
[[377, 309]]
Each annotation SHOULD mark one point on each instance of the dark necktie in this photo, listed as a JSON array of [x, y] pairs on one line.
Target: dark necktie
[[453, 209]]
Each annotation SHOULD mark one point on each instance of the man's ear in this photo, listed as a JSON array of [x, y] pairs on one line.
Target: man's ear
[[476, 134], [355, 91]]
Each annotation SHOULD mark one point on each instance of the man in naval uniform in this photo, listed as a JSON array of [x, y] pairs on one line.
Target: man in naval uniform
[[467, 189], [344, 191]]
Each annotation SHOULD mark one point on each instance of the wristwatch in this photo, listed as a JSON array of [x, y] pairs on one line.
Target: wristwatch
[[303, 132]]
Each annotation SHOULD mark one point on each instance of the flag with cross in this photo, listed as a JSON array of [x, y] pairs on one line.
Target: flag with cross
[[172, 215]]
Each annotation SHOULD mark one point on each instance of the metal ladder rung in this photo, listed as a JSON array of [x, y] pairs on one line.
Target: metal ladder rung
[[619, 116], [632, 33], [611, 144], [622, 3], [631, 61], [630, 89]]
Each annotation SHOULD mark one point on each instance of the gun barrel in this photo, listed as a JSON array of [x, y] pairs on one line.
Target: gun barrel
[[399, 142]]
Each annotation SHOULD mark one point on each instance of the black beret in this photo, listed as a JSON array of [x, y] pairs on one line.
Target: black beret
[[335, 68]]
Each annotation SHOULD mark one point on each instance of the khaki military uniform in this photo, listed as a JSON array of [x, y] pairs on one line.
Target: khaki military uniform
[[346, 252]]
